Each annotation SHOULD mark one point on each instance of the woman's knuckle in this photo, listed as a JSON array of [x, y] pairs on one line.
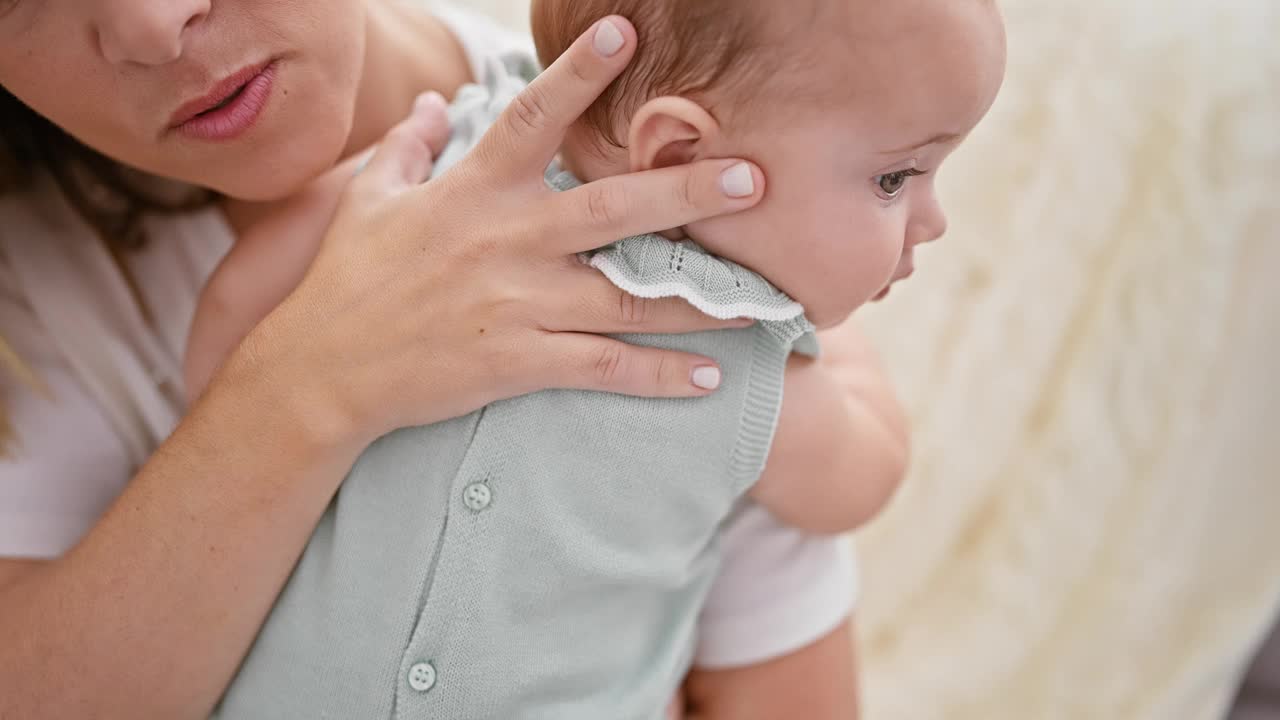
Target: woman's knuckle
[[633, 310], [687, 192], [609, 364], [529, 110], [662, 370], [577, 69], [605, 208]]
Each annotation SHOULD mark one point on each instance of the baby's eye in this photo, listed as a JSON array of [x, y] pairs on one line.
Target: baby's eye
[[892, 184]]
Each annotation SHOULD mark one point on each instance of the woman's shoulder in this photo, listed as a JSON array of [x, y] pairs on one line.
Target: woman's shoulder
[[62, 468], [104, 380], [44, 243], [134, 305], [65, 463]]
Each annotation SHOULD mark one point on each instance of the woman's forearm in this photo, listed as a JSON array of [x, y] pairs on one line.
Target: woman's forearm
[[150, 615]]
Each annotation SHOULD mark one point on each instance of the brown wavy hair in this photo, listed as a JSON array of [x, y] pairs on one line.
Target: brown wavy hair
[[692, 48], [109, 197]]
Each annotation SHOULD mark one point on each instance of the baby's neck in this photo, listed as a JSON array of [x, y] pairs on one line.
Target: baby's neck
[[590, 160]]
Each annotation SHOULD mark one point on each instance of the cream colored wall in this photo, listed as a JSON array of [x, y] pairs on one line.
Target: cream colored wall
[[1091, 527], [512, 12]]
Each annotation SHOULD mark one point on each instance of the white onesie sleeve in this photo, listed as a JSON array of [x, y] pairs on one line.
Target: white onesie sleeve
[[779, 590]]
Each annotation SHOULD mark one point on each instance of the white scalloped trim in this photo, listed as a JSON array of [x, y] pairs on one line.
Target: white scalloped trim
[[618, 277]]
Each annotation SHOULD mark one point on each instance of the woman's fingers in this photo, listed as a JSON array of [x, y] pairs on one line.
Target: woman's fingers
[[616, 207], [591, 362], [532, 128], [405, 156], [589, 302]]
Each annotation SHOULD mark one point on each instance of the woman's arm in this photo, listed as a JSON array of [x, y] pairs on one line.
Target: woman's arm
[[151, 614], [425, 302], [11, 570], [840, 451]]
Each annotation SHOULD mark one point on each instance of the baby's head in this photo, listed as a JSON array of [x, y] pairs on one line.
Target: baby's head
[[849, 107]]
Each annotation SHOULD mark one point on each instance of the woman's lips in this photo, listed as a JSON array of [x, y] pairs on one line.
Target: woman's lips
[[230, 109]]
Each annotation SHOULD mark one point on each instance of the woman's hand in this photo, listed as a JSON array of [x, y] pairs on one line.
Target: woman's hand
[[428, 301]]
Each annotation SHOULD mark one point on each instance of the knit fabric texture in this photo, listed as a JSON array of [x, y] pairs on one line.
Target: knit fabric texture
[[545, 558], [652, 266]]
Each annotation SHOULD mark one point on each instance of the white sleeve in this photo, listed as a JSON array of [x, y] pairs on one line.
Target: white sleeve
[[778, 590], [65, 464]]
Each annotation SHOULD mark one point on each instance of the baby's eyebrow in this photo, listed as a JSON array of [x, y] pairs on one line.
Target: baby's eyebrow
[[935, 140]]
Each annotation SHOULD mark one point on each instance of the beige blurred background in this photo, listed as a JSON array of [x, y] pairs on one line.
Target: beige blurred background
[[1092, 526]]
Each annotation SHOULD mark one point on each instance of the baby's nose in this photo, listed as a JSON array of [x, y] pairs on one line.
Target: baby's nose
[[928, 228]]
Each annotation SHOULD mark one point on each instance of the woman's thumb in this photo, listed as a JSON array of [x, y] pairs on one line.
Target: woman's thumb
[[405, 156]]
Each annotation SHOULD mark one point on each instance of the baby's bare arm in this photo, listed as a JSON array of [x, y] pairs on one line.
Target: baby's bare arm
[[267, 262], [841, 446], [817, 682]]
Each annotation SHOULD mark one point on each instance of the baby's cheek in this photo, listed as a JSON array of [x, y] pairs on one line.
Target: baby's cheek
[[841, 293], [863, 258], [829, 281]]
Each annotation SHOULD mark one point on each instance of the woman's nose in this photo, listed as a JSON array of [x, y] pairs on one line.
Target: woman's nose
[[147, 32]]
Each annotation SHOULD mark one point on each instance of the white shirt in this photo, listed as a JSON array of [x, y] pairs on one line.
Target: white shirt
[[113, 381]]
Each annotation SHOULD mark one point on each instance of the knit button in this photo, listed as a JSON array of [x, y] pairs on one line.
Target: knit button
[[422, 677], [477, 496]]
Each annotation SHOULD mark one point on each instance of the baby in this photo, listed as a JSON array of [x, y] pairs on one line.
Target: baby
[[563, 571]]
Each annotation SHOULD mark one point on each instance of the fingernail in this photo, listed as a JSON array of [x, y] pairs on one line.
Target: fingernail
[[429, 99], [707, 378], [737, 181], [609, 39]]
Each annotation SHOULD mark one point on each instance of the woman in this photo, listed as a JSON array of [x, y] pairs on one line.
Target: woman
[[139, 555]]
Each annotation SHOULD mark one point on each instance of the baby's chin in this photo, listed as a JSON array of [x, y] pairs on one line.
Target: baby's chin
[[828, 318], [906, 268], [886, 292], [831, 315]]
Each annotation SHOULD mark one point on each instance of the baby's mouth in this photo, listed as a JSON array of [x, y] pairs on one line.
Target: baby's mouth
[[906, 268]]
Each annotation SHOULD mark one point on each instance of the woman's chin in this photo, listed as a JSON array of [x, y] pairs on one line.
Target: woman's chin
[[266, 179], [268, 189]]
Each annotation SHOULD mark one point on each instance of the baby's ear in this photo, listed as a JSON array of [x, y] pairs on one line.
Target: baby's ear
[[670, 131]]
